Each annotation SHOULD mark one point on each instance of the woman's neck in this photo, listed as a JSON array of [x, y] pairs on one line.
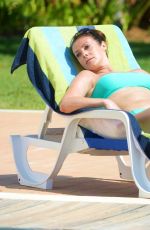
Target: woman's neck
[[104, 69]]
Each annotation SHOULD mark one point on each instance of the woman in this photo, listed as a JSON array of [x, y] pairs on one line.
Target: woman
[[99, 86]]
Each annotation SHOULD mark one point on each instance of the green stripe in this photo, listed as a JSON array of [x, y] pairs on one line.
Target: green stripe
[[48, 62], [146, 134], [116, 54]]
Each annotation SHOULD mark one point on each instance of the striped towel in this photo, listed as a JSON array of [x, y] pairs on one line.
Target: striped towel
[[50, 64]]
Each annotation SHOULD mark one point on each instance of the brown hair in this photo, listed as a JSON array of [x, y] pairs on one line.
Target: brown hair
[[96, 34]]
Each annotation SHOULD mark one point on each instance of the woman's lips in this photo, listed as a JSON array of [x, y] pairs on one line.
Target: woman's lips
[[89, 60]]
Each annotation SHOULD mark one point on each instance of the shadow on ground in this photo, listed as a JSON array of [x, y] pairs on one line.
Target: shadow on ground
[[83, 186]]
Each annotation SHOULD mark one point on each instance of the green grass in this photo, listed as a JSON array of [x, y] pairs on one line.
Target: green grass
[[141, 52], [16, 91]]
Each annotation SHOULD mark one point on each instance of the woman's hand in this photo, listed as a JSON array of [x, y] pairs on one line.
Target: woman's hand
[[109, 104]]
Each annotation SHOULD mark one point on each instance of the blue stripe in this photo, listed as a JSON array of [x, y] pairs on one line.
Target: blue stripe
[[40, 81], [127, 50], [54, 37], [25, 55], [21, 55]]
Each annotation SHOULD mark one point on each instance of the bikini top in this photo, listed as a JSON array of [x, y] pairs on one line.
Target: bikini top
[[111, 82]]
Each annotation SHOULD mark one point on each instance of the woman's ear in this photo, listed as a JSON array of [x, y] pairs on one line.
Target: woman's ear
[[104, 45]]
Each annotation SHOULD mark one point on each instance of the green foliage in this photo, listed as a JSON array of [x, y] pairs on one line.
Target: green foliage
[[16, 16]]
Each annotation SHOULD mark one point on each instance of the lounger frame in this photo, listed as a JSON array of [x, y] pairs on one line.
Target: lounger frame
[[26, 176]]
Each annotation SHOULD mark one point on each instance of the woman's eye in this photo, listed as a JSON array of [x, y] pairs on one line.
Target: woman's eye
[[78, 55], [86, 47]]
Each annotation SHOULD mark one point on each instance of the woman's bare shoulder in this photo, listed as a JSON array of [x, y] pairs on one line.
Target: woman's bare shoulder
[[81, 84], [86, 77], [85, 74]]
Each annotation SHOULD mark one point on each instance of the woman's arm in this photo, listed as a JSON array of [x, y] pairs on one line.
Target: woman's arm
[[75, 97], [70, 104]]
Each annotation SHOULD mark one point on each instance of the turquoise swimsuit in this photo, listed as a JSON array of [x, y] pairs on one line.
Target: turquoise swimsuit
[[112, 82]]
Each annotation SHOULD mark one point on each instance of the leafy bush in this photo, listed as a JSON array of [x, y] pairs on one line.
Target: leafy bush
[[16, 16]]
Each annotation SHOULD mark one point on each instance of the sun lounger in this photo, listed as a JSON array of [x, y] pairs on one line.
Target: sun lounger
[[51, 68]]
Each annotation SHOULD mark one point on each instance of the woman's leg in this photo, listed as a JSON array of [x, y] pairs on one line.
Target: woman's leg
[[144, 120], [111, 128], [115, 128], [105, 127]]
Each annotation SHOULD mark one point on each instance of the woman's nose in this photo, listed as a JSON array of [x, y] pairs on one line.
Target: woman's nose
[[85, 53]]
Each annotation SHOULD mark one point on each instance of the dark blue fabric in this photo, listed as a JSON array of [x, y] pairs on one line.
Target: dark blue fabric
[[98, 142], [25, 55], [81, 27], [39, 80], [21, 55], [144, 143], [107, 143]]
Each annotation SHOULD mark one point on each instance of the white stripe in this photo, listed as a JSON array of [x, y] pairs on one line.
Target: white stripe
[[66, 198], [20, 111]]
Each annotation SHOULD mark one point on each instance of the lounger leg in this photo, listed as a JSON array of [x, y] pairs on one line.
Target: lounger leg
[[67, 146], [136, 154], [25, 175], [138, 163], [124, 169], [37, 179], [139, 173], [46, 119]]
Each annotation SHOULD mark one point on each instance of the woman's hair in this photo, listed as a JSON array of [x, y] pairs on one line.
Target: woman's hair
[[96, 34]]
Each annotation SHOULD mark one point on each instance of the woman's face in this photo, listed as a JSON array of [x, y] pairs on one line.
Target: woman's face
[[90, 53]]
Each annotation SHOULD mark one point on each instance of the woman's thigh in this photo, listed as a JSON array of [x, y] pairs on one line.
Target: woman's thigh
[[114, 128], [105, 127], [144, 120]]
